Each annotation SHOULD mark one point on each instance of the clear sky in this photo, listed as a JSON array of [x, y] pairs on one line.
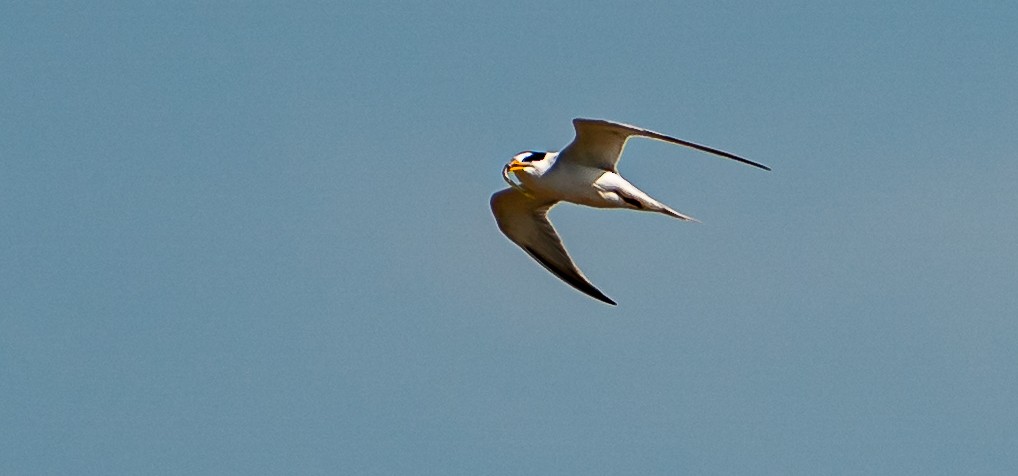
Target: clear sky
[[254, 238]]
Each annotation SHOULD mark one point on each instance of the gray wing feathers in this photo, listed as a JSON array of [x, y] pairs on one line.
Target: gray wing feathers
[[599, 143], [525, 222]]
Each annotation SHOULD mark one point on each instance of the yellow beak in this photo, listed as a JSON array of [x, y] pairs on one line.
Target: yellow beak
[[516, 165]]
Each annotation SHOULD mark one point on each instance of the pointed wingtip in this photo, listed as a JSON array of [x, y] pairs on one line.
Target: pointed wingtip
[[595, 293], [600, 296], [745, 161]]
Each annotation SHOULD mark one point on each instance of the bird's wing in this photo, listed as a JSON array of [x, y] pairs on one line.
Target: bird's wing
[[524, 220], [599, 144]]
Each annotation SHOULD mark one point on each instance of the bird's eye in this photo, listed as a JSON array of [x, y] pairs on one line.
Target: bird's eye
[[534, 156]]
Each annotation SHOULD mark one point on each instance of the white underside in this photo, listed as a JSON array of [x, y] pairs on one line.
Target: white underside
[[591, 187]]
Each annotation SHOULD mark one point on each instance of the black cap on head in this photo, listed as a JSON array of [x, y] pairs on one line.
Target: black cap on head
[[533, 156]]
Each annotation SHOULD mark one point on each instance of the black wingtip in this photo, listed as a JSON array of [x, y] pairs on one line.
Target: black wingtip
[[604, 299], [596, 294], [745, 161], [577, 282]]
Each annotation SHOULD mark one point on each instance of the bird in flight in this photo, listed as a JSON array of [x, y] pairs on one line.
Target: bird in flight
[[585, 173]]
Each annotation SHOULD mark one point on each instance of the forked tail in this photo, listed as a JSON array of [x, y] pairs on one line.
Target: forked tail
[[672, 213]]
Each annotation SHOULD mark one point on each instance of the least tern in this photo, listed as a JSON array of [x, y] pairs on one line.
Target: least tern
[[584, 173]]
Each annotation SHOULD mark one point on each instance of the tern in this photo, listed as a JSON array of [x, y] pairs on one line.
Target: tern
[[585, 173]]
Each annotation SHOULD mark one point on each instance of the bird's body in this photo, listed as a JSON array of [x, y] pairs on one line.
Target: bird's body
[[590, 186], [585, 173]]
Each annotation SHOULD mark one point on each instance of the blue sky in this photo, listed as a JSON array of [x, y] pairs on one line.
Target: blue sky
[[254, 238]]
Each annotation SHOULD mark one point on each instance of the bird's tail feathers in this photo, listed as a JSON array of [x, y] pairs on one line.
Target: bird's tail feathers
[[672, 213]]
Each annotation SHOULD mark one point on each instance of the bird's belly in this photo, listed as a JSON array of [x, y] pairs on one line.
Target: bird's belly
[[598, 199], [579, 187]]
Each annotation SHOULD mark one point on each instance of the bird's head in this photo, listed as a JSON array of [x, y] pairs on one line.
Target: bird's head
[[531, 163], [528, 165]]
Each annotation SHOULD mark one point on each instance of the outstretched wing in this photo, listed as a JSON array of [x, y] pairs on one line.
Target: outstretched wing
[[599, 144], [524, 220]]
